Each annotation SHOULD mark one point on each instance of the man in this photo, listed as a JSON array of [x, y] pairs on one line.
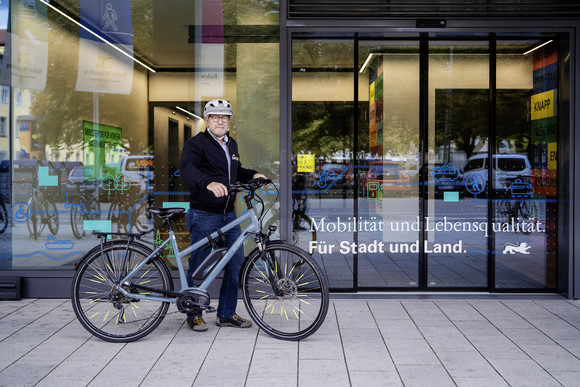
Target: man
[[209, 165]]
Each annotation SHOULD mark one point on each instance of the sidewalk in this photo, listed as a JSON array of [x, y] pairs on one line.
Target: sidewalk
[[366, 340]]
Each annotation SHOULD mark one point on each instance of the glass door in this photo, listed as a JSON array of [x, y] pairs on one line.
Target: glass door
[[388, 162], [456, 217], [323, 179]]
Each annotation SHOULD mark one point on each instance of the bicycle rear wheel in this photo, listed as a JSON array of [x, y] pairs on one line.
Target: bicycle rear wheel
[[77, 217], [3, 217], [527, 216], [52, 217], [299, 307], [102, 309]]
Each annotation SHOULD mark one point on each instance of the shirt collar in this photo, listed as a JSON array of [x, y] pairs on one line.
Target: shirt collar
[[224, 138]]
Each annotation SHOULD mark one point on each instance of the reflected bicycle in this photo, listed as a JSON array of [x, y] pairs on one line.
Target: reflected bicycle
[[122, 289]]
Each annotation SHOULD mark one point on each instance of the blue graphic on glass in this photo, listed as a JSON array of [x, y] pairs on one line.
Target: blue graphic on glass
[[520, 189], [445, 172], [324, 177], [475, 184], [22, 213]]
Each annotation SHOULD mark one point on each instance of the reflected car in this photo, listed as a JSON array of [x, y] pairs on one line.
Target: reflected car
[[506, 168], [385, 178]]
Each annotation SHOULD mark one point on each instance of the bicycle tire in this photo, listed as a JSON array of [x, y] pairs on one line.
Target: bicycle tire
[[52, 217], [102, 309], [527, 213], [33, 223], [77, 218], [142, 219], [306, 296], [503, 211], [302, 238], [3, 217]]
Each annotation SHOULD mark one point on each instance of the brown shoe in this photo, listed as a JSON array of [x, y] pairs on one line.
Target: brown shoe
[[234, 321], [197, 324]]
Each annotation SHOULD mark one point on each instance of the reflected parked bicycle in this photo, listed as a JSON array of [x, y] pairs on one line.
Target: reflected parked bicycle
[[41, 213], [517, 206], [84, 206]]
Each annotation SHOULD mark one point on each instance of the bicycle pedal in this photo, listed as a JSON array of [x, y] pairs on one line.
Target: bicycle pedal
[[210, 309]]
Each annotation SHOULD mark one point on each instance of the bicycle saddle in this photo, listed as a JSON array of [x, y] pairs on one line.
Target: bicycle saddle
[[165, 212]]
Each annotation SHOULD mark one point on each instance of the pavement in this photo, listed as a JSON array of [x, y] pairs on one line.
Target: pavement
[[367, 340]]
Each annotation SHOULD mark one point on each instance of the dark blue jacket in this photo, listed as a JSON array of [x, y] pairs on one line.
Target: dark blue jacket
[[203, 161]]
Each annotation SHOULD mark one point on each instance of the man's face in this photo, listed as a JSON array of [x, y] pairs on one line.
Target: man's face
[[218, 125]]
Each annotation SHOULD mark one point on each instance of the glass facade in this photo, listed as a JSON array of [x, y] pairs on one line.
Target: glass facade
[[417, 160], [403, 195], [97, 101]]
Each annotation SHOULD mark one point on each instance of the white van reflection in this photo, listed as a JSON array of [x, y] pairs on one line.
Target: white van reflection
[[506, 169]]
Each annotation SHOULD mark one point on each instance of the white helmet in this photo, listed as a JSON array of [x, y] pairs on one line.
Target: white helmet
[[218, 106]]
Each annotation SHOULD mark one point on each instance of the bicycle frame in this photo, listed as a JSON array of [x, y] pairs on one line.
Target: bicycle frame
[[253, 227]]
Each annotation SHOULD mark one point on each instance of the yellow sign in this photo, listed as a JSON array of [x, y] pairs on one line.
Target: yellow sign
[[543, 105], [552, 155], [305, 163], [372, 93]]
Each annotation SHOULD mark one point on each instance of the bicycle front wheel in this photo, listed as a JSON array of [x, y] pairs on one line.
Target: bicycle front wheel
[[102, 309], [285, 291]]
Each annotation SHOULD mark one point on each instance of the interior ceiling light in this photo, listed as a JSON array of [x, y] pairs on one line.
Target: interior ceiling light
[[188, 112], [366, 63], [97, 35], [535, 48]]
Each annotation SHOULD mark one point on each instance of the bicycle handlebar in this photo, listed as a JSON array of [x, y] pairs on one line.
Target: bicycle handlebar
[[251, 185]]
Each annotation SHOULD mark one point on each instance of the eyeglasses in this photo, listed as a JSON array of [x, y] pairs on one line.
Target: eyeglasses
[[220, 118]]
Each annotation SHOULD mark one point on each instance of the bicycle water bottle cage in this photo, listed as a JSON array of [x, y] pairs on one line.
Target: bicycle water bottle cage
[[212, 242], [209, 263]]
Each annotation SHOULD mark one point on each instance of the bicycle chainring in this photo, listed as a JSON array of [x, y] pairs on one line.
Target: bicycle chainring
[[191, 301]]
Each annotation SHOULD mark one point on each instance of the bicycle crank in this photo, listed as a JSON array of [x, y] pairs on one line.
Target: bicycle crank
[[191, 301]]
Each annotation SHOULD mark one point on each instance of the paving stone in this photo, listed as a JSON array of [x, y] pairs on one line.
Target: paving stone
[[523, 373], [374, 378], [411, 351], [419, 375], [317, 373]]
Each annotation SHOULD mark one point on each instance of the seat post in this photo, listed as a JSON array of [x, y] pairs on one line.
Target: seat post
[[168, 220]]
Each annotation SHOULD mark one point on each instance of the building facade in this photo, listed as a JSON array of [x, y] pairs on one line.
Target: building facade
[[424, 147]]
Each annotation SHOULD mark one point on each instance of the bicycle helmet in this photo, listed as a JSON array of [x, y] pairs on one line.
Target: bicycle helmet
[[218, 106]]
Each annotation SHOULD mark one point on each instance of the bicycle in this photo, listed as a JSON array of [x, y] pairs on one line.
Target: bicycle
[[122, 289], [41, 213], [519, 209], [129, 206], [88, 208]]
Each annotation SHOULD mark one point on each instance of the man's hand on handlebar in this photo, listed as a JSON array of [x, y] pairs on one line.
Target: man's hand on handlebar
[[218, 189]]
